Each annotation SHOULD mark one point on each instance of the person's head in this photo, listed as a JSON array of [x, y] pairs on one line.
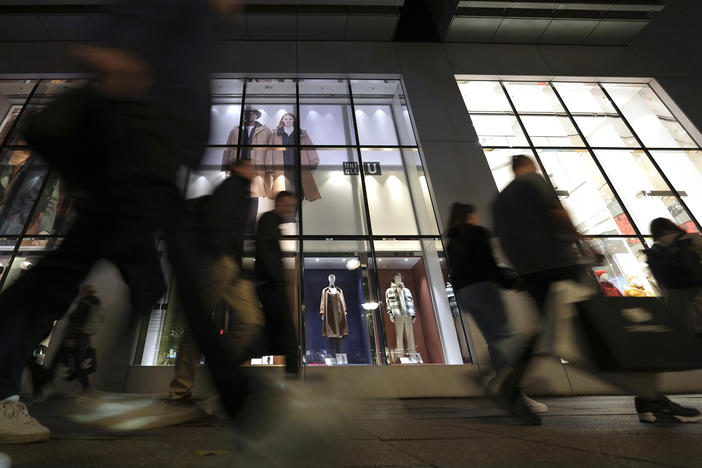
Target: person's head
[[332, 278], [287, 120], [523, 164], [662, 226], [251, 115], [87, 290], [285, 204], [462, 213], [398, 278]]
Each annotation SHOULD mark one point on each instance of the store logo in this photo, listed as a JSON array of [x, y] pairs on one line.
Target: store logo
[[350, 168], [372, 168]]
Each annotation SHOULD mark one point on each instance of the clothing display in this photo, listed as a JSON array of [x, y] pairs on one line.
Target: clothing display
[[400, 308], [257, 134], [286, 159], [333, 311], [399, 301], [635, 288], [404, 335], [608, 288]]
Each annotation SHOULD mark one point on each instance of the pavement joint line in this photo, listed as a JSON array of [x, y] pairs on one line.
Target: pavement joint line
[[580, 449]]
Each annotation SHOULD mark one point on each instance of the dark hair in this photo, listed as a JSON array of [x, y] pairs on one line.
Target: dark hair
[[458, 213], [282, 194], [520, 160], [663, 226]]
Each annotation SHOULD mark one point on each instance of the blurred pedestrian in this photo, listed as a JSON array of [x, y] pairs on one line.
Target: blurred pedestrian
[[227, 212], [75, 347], [476, 278], [148, 114], [676, 263], [270, 278], [539, 238]]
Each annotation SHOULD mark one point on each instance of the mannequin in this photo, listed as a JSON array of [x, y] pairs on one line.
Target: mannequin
[[607, 287], [252, 133], [333, 312], [452, 300], [286, 135], [400, 308]]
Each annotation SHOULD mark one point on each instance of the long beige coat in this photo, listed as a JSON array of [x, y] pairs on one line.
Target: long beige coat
[[261, 183], [309, 160]]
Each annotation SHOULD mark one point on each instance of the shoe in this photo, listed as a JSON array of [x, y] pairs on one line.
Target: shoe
[[521, 410], [17, 426], [662, 409], [5, 460], [535, 406]]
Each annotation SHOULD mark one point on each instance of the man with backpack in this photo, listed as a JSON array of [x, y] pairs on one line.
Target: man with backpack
[[676, 263]]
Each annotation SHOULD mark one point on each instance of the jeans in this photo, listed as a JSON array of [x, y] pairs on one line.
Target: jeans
[[484, 302]]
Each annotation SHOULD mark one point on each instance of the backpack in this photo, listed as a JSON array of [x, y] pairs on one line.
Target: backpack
[[676, 265]]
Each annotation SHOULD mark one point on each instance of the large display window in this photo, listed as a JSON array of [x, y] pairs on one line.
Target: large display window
[[364, 266], [615, 153]]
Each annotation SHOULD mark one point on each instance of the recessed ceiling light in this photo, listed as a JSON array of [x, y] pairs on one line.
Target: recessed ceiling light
[[316, 259]]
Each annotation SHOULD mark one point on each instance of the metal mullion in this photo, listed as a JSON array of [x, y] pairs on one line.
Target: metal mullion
[[241, 120], [382, 358], [597, 163], [526, 135], [301, 335], [671, 112], [652, 159]]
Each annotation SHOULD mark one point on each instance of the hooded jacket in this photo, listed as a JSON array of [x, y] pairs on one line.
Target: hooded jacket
[[399, 301]]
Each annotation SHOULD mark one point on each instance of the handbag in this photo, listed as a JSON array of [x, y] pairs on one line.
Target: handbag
[[638, 334]]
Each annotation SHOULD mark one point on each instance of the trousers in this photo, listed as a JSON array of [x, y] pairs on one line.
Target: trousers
[[404, 335]]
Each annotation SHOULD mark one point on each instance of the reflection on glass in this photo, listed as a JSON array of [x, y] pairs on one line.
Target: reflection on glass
[[535, 97], [650, 118], [500, 161], [22, 174], [584, 193], [338, 208], [13, 94], [684, 171], [419, 189], [584, 98], [380, 113], [498, 130], [551, 130], [325, 111], [641, 188], [624, 271], [484, 96], [606, 131], [389, 201]]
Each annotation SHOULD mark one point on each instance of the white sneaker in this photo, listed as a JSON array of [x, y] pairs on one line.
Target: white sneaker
[[17, 426], [534, 406], [5, 460]]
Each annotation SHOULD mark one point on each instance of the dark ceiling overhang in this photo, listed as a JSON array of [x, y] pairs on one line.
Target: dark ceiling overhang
[[551, 22]]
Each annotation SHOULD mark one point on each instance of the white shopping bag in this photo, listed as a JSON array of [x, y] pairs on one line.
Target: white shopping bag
[[562, 335]]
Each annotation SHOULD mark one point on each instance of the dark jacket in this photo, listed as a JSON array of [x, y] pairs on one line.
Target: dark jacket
[[226, 212], [269, 258], [175, 38], [525, 225], [470, 256]]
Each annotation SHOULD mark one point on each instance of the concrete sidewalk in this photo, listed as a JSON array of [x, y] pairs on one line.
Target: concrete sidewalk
[[583, 431]]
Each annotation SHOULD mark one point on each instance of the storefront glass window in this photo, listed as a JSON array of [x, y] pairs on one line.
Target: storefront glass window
[[614, 152]]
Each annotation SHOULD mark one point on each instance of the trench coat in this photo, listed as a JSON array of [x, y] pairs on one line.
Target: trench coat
[[309, 160], [260, 185]]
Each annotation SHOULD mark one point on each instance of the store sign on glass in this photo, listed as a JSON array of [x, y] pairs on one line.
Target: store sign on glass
[[350, 168], [372, 168]]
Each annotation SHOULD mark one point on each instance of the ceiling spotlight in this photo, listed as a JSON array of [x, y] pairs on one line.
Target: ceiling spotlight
[[316, 259], [353, 263], [407, 259], [370, 305]]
